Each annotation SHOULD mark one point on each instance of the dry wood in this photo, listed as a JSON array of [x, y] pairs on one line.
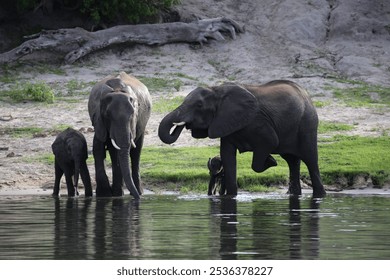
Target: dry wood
[[75, 43]]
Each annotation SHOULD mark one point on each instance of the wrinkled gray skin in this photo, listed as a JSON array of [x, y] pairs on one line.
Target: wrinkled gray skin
[[119, 108], [71, 153], [274, 118]]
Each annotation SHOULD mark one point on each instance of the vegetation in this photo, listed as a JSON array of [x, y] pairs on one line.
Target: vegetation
[[167, 104], [32, 131], [361, 94], [340, 158], [326, 127], [21, 132], [159, 84], [39, 92]]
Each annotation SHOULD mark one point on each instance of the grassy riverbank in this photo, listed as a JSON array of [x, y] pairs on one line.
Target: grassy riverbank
[[344, 161]]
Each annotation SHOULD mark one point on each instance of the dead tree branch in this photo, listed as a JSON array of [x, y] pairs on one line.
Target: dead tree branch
[[76, 43]]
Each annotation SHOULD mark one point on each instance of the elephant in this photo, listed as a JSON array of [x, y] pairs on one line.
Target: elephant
[[216, 176], [273, 118], [119, 108], [71, 152]]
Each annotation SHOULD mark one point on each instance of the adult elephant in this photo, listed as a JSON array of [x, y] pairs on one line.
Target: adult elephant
[[274, 118], [119, 108]]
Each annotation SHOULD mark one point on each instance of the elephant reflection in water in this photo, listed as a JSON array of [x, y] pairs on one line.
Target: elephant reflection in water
[[296, 238], [71, 227], [304, 231], [224, 213], [117, 234], [111, 231]]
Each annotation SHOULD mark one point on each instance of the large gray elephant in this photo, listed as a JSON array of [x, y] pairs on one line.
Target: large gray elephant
[[274, 118], [119, 108]]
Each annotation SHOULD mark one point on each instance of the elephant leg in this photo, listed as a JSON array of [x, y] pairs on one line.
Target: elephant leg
[[69, 182], [310, 158], [261, 161], [117, 178], [222, 190], [85, 177], [211, 185], [135, 156], [58, 175], [102, 184], [294, 164], [267, 142], [318, 187], [76, 176], [229, 161]]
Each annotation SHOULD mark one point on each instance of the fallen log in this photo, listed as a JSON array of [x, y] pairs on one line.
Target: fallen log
[[75, 43]]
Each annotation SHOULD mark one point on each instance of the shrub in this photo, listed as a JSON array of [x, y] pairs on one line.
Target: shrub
[[39, 92]]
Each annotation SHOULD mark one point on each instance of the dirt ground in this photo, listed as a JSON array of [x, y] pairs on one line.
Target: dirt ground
[[307, 43]]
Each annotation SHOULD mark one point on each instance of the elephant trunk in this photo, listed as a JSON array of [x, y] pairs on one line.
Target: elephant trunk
[[125, 169], [170, 128]]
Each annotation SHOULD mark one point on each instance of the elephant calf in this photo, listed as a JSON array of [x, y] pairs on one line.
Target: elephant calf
[[216, 176], [70, 151]]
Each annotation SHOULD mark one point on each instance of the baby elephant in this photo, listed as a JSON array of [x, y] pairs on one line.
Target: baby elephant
[[217, 175], [70, 151]]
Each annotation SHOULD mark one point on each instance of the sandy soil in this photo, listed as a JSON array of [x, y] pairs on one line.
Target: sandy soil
[[270, 49]]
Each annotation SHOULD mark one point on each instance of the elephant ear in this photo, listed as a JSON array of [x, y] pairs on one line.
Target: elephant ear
[[236, 110], [99, 125]]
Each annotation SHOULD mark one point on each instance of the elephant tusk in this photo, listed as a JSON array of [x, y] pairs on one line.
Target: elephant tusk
[[133, 144], [176, 125], [114, 144]]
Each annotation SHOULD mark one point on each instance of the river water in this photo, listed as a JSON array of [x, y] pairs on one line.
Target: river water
[[269, 226]]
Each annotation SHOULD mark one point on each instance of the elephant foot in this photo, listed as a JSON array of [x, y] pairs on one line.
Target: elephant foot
[[269, 162], [72, 194], [117, 192], [88, 192], [294, 188], [103, 192], [319, 192], [294, 191]]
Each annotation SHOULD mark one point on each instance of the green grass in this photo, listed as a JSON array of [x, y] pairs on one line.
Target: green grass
[[160, 84], [31, 131], [11, 73], [321, 104], [21, 132], [339, 157], [38, 92], [185, 169], [326, 127], [351, 156], [167, 103], [362, 94], [76, 87]]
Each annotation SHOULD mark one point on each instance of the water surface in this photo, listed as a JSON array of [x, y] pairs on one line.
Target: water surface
[[195, 227]]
